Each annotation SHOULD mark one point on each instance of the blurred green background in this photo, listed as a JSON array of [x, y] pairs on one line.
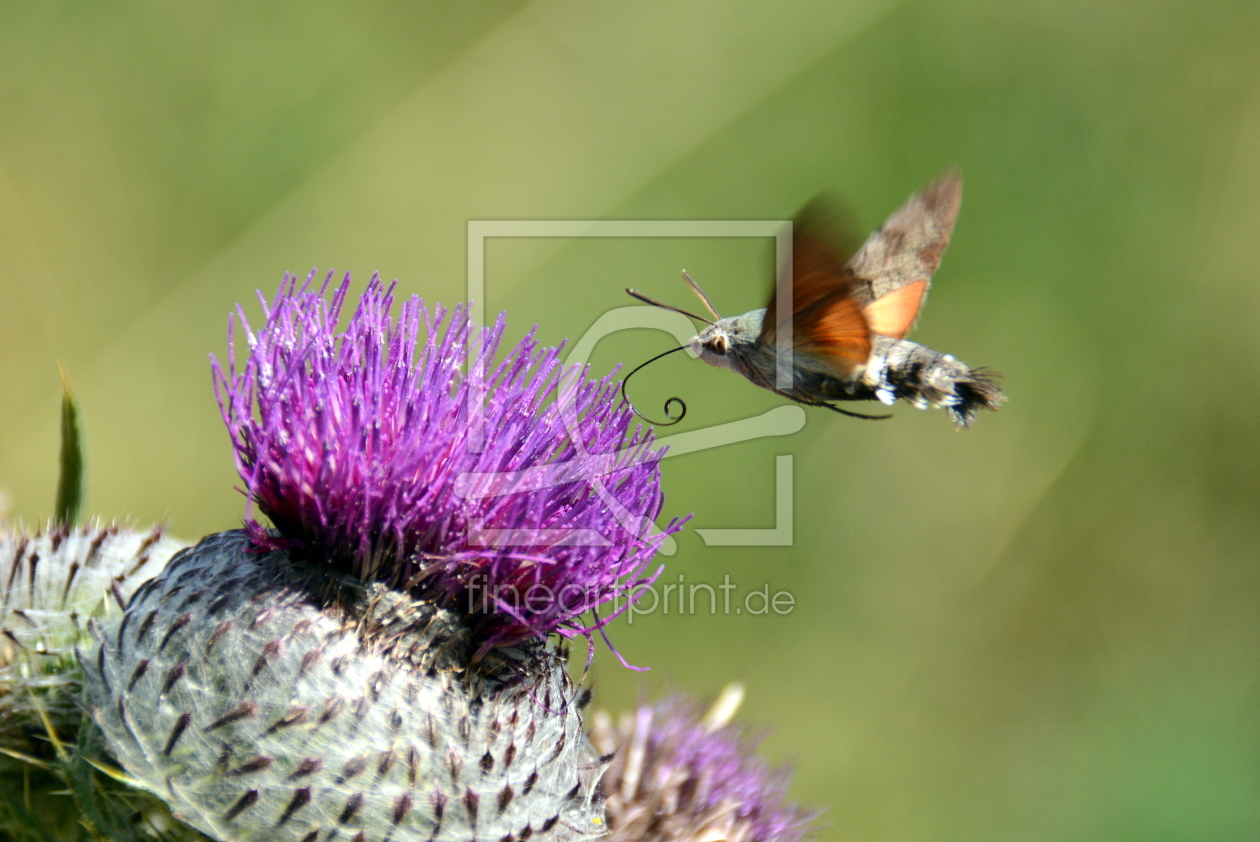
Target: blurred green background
[[1044, 628]]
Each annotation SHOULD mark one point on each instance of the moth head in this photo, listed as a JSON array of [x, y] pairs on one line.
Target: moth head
[[713, 345]]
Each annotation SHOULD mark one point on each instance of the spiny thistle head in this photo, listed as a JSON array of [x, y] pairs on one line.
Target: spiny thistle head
[[53, 581], [267, 699], [682, 776], [518, 488]]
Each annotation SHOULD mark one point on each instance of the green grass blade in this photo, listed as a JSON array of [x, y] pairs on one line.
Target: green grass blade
[[70, 484]]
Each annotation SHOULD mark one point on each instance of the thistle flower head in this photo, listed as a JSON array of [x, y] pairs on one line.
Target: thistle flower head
[[517, 491], [682, 776]]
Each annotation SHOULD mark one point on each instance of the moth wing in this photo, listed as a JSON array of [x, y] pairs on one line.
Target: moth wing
[[827, 320], [894, 267], [836, 331], [896, 313]]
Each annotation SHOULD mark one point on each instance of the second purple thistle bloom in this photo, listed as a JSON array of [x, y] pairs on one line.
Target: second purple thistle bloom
[[379, 665]]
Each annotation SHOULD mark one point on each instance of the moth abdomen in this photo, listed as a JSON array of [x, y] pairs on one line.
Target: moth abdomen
[[899, 368], [978, 390]]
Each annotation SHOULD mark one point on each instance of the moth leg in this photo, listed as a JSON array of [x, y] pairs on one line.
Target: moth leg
[[832, 407], [855, 414]]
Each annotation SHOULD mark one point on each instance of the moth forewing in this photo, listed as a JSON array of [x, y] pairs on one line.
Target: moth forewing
[[827, 323], [894, 267]]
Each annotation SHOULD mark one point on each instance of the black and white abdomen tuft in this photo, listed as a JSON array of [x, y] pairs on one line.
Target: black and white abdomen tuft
[[899, 368]]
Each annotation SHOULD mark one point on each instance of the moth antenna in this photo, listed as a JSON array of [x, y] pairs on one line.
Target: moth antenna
[[625, 397], [695, 287], [636, 294]]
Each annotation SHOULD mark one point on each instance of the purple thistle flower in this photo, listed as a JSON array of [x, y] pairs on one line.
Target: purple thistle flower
[[379, 666], [361, 446], [680, 776]]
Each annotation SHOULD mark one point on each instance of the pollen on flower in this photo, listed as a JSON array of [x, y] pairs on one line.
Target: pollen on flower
[[398, 450]]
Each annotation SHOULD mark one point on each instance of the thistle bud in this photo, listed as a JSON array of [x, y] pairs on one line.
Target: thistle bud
[[53, 582], [382, 662]]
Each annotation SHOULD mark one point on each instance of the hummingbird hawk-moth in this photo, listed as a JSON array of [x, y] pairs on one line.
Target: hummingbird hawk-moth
[[850, 318]]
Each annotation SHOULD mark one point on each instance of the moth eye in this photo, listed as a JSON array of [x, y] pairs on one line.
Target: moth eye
[[718, 344]]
